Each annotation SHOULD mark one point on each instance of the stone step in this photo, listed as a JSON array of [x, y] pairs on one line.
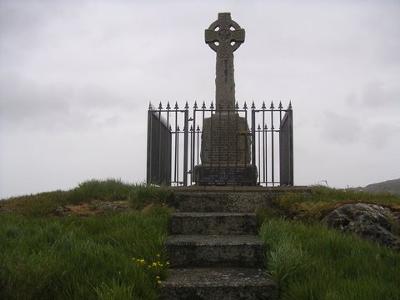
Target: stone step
[[217, 202], [213, 223], [215, 250], [218, 284]]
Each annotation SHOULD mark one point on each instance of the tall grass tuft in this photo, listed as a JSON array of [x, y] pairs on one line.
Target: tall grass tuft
[[321, 200], [314, 262], [142, 196], [81, 258], [107, 190]]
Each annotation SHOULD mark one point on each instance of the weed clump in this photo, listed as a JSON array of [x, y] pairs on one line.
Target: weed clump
[[143, 196], [314, 205], [310, 261]]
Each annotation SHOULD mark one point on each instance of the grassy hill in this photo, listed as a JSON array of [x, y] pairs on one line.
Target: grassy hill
[[104, 240], [389, 186]]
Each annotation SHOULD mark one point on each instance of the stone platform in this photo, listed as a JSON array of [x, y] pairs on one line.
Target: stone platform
[[233, 199]]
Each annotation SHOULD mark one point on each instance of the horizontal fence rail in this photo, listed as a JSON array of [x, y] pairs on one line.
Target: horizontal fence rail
[[175, 141]]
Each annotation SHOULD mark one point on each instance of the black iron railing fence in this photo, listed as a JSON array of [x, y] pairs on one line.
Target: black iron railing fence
[[174, 144]]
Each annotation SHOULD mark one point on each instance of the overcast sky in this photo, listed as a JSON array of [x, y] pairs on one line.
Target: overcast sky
[[76, 78]]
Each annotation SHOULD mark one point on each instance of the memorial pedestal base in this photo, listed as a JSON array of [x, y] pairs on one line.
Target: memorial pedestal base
[[225, 175]]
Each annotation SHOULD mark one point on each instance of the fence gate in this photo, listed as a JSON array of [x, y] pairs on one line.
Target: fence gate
[[159, 141], [286, 149]]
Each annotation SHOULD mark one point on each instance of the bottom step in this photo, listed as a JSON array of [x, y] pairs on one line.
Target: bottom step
[[218, 283]]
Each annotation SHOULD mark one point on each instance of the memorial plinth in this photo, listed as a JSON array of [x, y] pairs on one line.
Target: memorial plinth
[[226, 144]]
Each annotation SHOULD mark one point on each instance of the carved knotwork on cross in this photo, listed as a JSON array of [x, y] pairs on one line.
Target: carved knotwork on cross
[[224, 36]]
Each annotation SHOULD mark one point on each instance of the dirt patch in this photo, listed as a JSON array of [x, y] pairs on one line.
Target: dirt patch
[[94, 207]]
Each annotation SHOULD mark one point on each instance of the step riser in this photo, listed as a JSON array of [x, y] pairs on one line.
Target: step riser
[[219, 293], [220, 202], [214, 225], [221, 255]]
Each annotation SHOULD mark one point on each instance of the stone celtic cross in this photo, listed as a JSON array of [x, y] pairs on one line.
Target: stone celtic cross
[[224, 36]]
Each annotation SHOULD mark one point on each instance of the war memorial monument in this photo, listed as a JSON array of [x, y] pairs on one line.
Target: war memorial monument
[[223, 161]]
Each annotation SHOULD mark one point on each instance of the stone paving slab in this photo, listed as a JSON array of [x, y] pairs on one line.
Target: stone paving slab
[[213, 223], [218, 283], [215, 250]]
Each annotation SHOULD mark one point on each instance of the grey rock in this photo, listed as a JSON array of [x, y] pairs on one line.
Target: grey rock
[[218, 283], [369, 221], [62, 211]]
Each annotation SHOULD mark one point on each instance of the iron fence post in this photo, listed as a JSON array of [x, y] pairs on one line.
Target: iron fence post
[[149, 136], [253, 136], [291, 145], [185, 145]]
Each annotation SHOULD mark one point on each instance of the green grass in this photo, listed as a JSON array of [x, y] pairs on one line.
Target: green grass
[[313, 262], [107, 256], [82, 258], [104, 256], [321, 200], [44, 204]]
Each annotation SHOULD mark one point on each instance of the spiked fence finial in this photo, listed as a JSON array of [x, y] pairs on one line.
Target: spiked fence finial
[[168, 106], [176, 105], [263, 105], [272, 105]]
